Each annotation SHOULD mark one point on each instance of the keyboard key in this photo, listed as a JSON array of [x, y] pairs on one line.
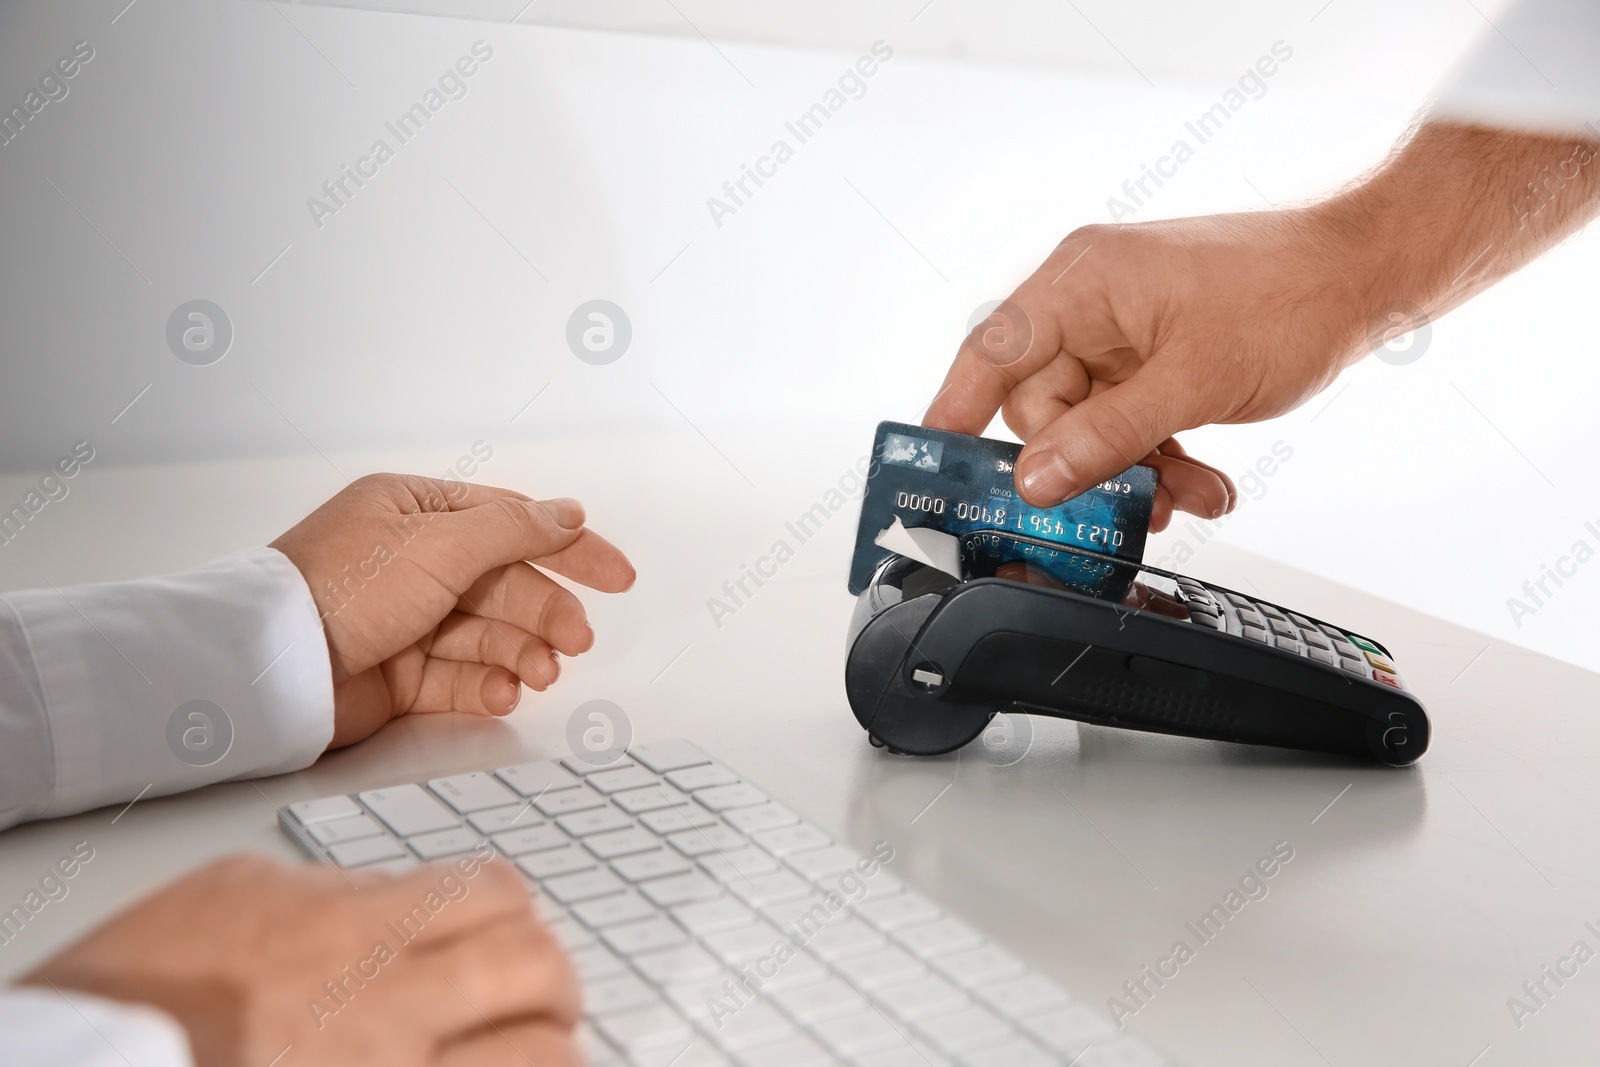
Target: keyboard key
[[650, 798], [1255, 633], [595, 962], [1315, 638], [669, 755], [763, 890], [757, 1023], [440, 843], [794, 838], [617, 993], [882, 967], [308, 812], [349, 828], [366, 850], [856, 1034], [761, 817], [621, 842], [840, 940], [570, 888], [891, 913], [795, 973], [697, 1053], [820, 862], [831, 998], [593, 1050], [680, 888], [609, 782], [511, 817], [723, 797], [594, 821], [596, 763], [939, 937], [963, 1031], [1067, 1031], [644, 865], [1322, 655], [806, 914], [743, 943], [706, 839], [622, 907], [568, 801], [1027, 994], [1288, 644], [979, 966], [695, 998], [702, 777], [407, 810], [918, 999], [554, 861], [645, 1028], [537, 778], [531, 839], [681, 963], [647, 935], [882, 886], [797, 1050], [1015, 1053], [712, 916], [737, 863], [572, 935], [467, 793], [672, 820], [398, 865]]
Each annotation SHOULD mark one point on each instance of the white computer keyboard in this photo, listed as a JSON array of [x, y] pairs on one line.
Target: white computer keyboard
[[711, 925]]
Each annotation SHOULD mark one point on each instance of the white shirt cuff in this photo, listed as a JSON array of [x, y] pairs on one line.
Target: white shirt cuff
[[165, 684], [44, 1028]]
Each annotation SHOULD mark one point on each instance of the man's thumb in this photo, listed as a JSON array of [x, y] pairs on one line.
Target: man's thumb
[[507, 530], [1104, 435]]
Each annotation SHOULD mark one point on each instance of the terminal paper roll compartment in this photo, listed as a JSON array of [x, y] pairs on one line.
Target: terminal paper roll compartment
[[932, 659]]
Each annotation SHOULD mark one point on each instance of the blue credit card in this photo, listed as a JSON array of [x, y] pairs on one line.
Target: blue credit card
[[959, 484], [1001, 555]]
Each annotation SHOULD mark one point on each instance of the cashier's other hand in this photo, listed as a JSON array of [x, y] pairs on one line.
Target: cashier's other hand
[[1130, 334], [244, 953], [434, 596]]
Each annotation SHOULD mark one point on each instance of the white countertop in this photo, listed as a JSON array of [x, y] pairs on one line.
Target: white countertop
[[1416, 903]]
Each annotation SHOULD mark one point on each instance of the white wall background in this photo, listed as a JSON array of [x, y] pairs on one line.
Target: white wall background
[[434, 306]]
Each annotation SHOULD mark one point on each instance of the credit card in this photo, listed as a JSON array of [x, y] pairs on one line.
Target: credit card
[[960, 484], [998, 555]]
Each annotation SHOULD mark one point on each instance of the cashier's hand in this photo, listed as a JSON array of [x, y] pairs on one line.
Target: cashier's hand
[[434, 596], [247, 954], [1128, 334]]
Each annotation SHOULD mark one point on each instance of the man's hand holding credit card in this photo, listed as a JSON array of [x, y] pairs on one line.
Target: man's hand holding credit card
[[956, 484]]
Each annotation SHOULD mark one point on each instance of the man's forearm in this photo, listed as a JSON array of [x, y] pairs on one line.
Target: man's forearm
[[1459, 207]]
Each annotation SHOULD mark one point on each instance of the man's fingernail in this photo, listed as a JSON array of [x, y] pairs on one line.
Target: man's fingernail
[[1044, 476], [567, 511]]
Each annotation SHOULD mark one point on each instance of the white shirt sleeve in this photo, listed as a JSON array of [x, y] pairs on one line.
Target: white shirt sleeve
[[138, 689], [1533, 68], [43, 1028]]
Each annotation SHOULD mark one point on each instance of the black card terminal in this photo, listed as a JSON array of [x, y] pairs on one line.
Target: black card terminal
[[1046, 629]]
